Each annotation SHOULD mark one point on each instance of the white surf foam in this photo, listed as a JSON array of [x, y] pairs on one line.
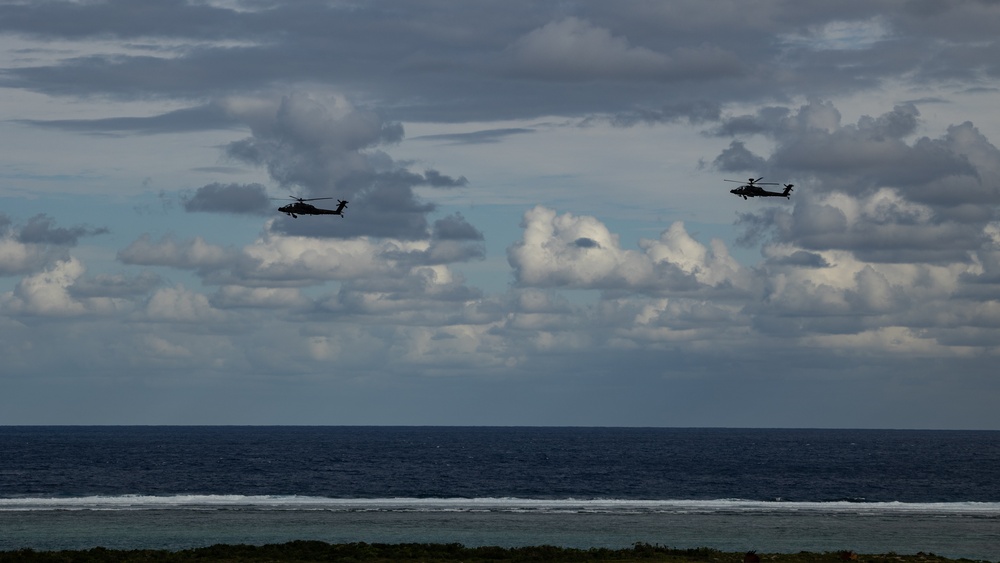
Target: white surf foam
[[292, 502]]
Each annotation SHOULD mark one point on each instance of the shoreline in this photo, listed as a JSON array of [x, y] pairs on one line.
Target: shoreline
[[308, 551]]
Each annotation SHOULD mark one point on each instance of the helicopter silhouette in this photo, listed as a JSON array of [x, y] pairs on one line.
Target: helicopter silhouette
[[300, 207], [752, 189]]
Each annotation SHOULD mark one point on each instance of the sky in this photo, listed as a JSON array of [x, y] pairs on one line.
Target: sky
[[539, 230]]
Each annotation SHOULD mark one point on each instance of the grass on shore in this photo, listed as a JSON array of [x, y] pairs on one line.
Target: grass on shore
[[311, 551]]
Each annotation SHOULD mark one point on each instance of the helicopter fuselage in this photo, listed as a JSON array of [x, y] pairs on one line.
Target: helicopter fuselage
[[300, 208], [752, 188], [754, 191]]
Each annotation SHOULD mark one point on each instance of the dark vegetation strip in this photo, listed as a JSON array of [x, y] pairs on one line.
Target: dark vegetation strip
[[311, 551]]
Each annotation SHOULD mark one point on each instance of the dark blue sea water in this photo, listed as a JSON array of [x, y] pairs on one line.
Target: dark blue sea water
[[769, 490]]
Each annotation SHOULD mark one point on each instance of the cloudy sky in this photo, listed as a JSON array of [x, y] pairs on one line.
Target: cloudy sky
[[538, 230]]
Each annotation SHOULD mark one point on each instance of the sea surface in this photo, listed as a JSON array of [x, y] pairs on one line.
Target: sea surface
[[871, 491]]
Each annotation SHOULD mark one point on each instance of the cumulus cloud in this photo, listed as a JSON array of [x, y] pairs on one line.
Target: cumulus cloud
[[580, 252], [38, 243], [328, 148], [872, 192], [677, 290], [19, 258], [882, 222], [870, 154], [181, 305], [277, 258], [48, 294], [280, 260]]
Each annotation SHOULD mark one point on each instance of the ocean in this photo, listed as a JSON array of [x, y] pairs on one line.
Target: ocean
[[871, 491]]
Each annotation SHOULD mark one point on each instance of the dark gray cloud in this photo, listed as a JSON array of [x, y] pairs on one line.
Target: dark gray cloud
[[700, 111], [800, 259], [315, 150], [199, 118], [436, 179], [117, 286], [381, 205], [421, 60], [118, 18], [898, 123], [455, 227], [41, 229], [241, 199], [476, 137], [38, 243], [923, 201], [440, 252], [873, 237], [781, 123], [758, 225], [863, 156], [869, 162], [453, 240], [767, 120], [572, 49], [737, 158]]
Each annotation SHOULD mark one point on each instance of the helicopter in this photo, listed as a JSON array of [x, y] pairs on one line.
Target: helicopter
[[300, 207], [752, 189]]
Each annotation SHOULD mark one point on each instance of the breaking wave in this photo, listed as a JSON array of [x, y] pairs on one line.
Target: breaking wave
[[512, 505]]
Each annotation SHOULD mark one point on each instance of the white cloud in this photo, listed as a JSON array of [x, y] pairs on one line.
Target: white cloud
[[580, 252], [235, 296], [19, 258], [47, 293], [280, 257], [711, 266], [178, 304]]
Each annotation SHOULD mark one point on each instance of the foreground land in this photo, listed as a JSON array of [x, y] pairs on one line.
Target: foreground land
[[307, 551]]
